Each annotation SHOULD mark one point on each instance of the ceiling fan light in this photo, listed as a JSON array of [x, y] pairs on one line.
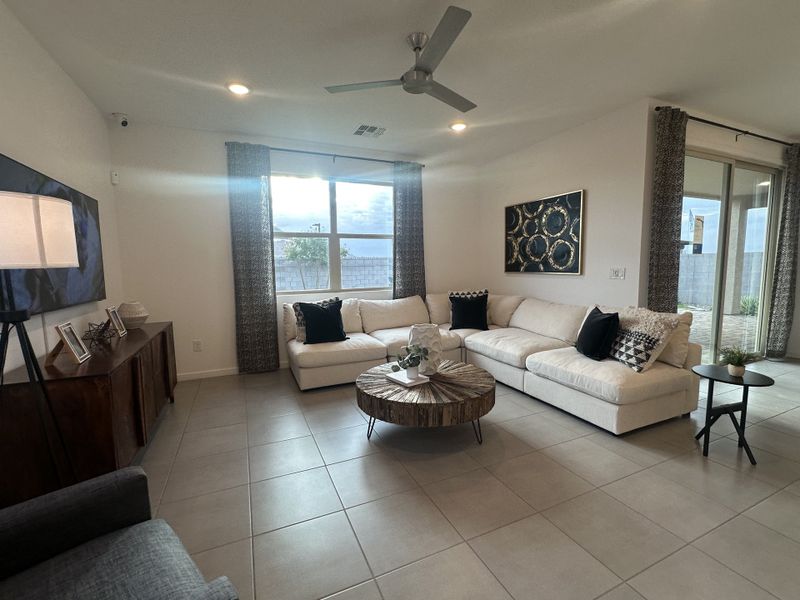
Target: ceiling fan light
[[458, 126], [238, 89]]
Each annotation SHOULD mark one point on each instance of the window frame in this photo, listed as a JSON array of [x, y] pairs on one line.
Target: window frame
[[334, 237]]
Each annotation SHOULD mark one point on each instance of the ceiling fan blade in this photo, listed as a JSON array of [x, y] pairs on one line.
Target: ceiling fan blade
[[366, 85], [443, 37], [448, 96]]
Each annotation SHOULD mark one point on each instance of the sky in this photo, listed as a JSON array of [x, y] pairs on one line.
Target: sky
[[301, 204]]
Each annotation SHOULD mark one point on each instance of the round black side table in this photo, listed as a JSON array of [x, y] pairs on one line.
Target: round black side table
[[720, 373]]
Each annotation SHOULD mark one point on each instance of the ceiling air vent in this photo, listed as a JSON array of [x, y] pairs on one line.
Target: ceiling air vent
[[369, 131]]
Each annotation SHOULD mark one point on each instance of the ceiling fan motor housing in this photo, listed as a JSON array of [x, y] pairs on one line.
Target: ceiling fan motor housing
[[416, 81]]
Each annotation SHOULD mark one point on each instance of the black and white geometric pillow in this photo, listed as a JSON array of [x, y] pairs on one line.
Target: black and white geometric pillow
[[634, 348], [468, 294], [301, 320], [642, 336]]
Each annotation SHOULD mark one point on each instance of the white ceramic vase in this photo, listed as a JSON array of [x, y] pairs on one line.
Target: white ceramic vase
[[736, 371], [412, 372], [133, 314], [427, 335]]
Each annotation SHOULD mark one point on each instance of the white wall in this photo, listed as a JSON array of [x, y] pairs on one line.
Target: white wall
[[175, 237], [49, 124], [607, 158]]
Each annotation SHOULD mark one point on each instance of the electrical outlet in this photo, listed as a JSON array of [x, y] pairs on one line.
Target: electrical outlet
[[197, 346], [616, 273]]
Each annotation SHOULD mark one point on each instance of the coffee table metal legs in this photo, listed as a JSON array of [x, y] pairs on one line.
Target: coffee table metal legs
[[476, 427], [477, 430]]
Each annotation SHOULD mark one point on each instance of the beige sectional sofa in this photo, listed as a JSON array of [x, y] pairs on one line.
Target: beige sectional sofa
[[530, 346]]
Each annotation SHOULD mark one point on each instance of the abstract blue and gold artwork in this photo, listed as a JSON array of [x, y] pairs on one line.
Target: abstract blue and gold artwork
[[544, 236]]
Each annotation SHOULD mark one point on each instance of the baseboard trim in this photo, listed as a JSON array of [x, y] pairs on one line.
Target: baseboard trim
[[192, 375]]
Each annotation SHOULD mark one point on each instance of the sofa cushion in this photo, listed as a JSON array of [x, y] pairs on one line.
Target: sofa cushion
[[501, 308], [351, 319], [359, 347], [462, 333], [642, 336], [550, 319], [386, 314], [609, 379], [395, 338], [438, 308], [323, 322], [597, 333], [301, 317], [469, 311], [677, 348], [510, 345], [146, 560]]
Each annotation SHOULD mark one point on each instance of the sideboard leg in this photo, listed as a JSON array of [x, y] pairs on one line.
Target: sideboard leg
[[477, 430]]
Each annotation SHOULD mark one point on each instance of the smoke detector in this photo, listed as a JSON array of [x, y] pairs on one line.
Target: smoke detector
[[372, 131]]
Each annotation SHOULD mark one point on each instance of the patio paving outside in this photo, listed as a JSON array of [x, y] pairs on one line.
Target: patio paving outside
[[737, 330]]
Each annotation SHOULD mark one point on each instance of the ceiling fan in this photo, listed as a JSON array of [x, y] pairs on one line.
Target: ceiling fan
[[429, 52]]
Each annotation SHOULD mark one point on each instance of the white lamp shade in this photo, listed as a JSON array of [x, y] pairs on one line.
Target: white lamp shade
[[36, 232]]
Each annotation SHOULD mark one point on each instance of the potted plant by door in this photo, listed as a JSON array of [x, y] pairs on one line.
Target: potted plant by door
[[736, 358], [411, 361]]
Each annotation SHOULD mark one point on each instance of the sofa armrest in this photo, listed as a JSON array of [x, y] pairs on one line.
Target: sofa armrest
[[219, 589], [693, 358], [43, 527]]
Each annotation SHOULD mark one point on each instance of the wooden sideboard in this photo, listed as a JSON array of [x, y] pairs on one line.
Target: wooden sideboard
[[106, 409]]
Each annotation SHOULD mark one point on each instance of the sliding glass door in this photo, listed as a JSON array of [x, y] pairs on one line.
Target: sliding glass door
[[726, 233]]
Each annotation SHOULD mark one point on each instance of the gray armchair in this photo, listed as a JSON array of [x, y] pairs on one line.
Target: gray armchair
[[96, 540]]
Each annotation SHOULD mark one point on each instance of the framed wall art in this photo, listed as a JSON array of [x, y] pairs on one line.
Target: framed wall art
[[544, 236]]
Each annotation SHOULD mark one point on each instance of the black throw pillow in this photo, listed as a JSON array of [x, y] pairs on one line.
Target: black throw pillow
[[469, 312], [597, 334], [323, 322]]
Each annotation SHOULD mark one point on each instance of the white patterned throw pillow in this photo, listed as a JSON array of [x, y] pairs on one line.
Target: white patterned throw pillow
[[642, 336], [301, 320]]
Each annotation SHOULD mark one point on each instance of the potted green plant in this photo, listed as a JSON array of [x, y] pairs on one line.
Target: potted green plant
[[411, 361], [736, 358]]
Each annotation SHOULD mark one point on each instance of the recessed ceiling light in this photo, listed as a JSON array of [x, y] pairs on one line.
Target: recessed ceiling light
[[764, 183], [458, 126], [239, 89]]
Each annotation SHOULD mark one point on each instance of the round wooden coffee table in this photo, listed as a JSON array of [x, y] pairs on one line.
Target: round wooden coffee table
[[458, 393]]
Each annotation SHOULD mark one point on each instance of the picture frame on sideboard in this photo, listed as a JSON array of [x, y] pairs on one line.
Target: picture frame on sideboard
[[69, 338], [116, 321]]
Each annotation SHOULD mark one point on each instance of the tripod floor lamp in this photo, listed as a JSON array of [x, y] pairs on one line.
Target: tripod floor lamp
[[36, 232]]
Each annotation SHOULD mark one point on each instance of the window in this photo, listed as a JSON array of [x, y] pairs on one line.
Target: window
[[332, 234]]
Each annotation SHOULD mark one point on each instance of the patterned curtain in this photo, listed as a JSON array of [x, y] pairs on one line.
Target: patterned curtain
[[409, 251], [253, 263], [785, 280], [665, 220]]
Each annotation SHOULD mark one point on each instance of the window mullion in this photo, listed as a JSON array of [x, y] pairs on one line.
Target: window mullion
[[335, 259]]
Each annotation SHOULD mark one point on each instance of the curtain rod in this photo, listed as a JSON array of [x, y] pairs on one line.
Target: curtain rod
[[335, 156], [730, 128]]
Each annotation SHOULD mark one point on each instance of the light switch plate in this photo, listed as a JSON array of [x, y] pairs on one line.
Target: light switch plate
[[617, 273]]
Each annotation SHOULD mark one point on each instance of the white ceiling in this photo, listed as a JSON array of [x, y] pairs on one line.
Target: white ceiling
[[534, 67]]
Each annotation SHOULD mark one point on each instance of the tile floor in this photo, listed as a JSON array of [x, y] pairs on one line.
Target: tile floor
[[281, 491]]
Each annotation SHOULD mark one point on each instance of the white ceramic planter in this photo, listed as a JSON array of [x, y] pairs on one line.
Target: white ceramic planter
[[427, 335], [412, 372], [735, 371]]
